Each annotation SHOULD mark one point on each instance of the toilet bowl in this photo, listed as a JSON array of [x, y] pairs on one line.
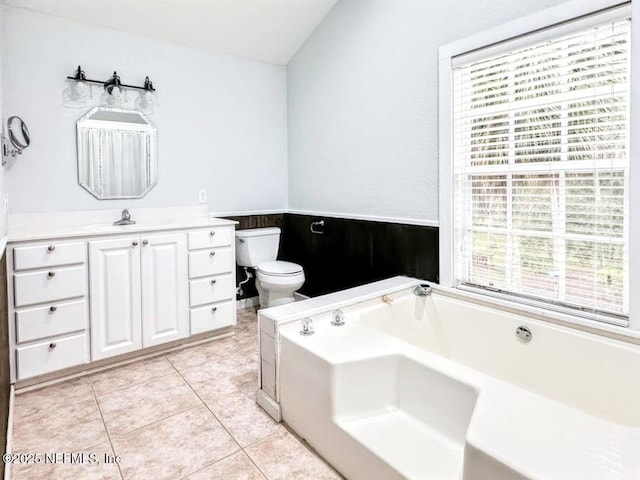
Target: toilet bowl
[[276, 280]]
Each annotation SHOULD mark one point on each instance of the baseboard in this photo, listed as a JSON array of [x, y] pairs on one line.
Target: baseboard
[[269, 405], [9, 445], [47, 380], [248, 302]]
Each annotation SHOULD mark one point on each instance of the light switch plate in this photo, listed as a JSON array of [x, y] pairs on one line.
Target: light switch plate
[[202, 196]]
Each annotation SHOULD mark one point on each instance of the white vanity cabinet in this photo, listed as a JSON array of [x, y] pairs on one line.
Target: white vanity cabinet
[[116, 305], [88, 298], [212, 279], [48, 309], [138, 291]]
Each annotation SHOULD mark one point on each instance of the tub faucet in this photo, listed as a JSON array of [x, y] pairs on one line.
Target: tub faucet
[[422, 290], [307, 327], [338, 318]]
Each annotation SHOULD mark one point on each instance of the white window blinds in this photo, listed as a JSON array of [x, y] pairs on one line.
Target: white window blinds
[[540, 162]]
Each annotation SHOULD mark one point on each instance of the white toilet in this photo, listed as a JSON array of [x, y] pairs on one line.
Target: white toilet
[[276, 280]]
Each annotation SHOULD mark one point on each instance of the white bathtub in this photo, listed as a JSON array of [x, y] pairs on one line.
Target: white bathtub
[[440, 388]]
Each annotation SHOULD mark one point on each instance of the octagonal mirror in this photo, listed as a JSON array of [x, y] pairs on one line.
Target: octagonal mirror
[[117, 155]]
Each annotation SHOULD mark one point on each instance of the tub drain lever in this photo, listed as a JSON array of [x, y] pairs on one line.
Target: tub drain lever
[[307, 327]]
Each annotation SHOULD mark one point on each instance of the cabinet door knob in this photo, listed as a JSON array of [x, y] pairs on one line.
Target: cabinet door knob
[[214, 309], [213, 282], [145, 242], [51, 274], [212, 254], [51, 248], [135, 243], [53, 345], [212, 233], [53, 308]]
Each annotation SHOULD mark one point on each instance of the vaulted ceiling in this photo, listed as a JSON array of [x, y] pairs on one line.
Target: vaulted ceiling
[[266, 30]]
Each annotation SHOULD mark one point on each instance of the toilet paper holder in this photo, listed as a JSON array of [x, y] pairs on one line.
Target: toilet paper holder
[[317, 227]]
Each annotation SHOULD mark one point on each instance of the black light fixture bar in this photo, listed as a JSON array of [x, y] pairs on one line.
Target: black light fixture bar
[[114, 80]]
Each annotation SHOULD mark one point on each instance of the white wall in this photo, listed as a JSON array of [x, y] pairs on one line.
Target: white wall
[[221, 121], [3, 216], [363, 112]]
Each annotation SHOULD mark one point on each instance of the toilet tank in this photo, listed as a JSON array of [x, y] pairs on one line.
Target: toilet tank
[[257, 245]]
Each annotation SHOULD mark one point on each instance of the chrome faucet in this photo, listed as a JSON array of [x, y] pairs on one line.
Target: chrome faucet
[[422, 290], [338, 318], [307, 327], [125, 219]]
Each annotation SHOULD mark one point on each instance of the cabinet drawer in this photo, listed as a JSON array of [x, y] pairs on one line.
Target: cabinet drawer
[[209, 290], [50, 356], [210, 262], [205, 319], [214, 237], [48, 255], [50, 321], [48, 286]]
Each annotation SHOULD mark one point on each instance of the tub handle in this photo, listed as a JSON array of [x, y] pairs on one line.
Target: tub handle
[[317, 227], [307, 327], [338, 318]]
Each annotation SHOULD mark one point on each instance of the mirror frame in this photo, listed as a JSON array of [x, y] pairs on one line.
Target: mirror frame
[[148, 126]]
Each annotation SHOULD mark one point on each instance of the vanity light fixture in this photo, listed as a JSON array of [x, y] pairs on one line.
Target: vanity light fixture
[[147, 98], [75, 95], [115, 92]]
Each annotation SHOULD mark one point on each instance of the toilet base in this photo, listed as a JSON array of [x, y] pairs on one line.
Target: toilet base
[[273, 298]]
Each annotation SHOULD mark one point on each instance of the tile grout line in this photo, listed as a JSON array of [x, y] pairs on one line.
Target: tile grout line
[[225, 428], [214, 416], [106, 430], [263, 473], [251, 458], [133, 384]]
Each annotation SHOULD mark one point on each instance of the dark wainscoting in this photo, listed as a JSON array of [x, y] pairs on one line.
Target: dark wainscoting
[[355, 252], [349, 252], [258, 221], [5, 380], [254, 221]]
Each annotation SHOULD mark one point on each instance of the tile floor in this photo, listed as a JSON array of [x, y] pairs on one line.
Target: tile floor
[[188, 414]]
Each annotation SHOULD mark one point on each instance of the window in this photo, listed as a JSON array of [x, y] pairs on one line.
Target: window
[[540, 167]]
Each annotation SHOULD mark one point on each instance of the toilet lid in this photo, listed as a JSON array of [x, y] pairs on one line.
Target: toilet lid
[[278, 268]]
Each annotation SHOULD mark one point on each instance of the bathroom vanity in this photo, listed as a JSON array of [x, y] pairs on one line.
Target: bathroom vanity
[[83, 290]]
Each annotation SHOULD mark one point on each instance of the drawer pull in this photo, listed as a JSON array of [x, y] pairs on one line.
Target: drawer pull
[[145, 242], [135, 243], [212, 233], [213, 282], [53, 345], [211, 254], [213, 310], [51, 248], [51, 274], [53, 309]]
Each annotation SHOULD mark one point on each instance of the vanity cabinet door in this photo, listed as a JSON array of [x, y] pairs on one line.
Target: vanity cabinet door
[[165, 306], [114, 279]]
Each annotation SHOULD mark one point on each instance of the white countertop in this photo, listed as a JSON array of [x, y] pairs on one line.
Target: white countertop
[[42, 226]]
